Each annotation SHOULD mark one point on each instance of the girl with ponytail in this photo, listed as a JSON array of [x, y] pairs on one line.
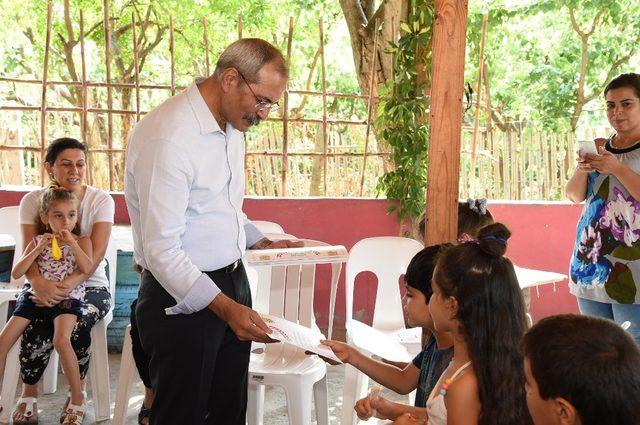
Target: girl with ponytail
[[477, 298]]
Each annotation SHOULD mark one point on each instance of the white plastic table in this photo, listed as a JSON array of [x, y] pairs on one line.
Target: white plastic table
[[530, 278]]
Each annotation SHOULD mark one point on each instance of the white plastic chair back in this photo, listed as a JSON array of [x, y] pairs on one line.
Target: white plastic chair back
[[267, 226], [290, 295], [387, 257], [291, 290], [260, 291], [10, 225]]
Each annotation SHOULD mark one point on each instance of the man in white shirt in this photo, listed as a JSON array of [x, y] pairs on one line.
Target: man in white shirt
[[184, 188]]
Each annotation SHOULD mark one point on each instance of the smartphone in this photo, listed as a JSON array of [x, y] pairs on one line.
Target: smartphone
[[587, 147]]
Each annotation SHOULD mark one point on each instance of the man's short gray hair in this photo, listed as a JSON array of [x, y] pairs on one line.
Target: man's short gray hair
[[249, 55]]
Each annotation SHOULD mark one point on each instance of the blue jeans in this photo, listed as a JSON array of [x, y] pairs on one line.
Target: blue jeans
[[619, 313]]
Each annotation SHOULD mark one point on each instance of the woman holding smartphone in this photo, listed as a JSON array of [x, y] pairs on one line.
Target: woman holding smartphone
[[605, 265]]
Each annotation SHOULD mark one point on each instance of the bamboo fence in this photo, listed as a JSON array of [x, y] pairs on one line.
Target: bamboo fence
[[291, 155], [274, 150]]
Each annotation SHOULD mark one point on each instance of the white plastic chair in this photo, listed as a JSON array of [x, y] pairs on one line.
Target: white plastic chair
[[267, 226], [10, 225], [387, 257], [125, 379], [98, 368], [291, 291]]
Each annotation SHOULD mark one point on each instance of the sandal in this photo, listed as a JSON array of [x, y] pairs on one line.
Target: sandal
[[74, 414], [145, 413], [30, 413], [63, 412]]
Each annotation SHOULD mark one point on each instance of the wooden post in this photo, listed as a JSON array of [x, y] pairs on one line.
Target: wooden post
[[506, 151], [476, 117], [528, 168], [372, 81], [206, 45], [136, 67], [43, 98], [324, 109], [171, 55], [504, 158], [449, 36], [553, 163], [543, 166], [239, 27], [83, 120], [285, 116], [107, 55], [521, 164]]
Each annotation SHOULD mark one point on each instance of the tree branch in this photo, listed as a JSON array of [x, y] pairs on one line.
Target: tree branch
[[68, 24], [142, 55], [379, 14], [358, 7], [574, 23], [616, 65], [92, 29], [595, 22], [297, 112], [29, 34]]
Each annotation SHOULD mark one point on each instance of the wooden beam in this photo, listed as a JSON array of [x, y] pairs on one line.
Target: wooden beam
[[476, 117], [43, 97], [285, 117], [447, 87]]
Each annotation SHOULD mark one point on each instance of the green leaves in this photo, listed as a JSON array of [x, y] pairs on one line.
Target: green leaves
[[534, 56], [401, 121]]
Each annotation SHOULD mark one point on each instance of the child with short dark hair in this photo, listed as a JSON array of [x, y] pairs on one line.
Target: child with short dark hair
[[581, 370], [426, 368]]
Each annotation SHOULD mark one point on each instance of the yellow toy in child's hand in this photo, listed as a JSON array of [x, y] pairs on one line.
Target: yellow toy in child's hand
[[56, 252]]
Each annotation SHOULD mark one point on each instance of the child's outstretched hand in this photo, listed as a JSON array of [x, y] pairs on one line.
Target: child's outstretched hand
[[344, 352], [374, 405], [409, 419]]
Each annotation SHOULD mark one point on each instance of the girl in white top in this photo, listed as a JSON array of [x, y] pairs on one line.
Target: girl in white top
[[477, 298]]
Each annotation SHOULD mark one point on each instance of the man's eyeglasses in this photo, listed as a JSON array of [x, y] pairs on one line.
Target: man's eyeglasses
[[262, 105]]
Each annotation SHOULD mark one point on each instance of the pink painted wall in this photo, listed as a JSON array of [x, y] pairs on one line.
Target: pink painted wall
[[543, 236]]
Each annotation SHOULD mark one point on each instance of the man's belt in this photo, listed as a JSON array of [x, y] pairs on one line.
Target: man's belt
[[231, 267]]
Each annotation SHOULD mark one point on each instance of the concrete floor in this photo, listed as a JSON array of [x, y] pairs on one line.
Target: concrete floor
[[275, 409]]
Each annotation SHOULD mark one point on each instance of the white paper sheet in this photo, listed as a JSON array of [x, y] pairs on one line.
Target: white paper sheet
[[300, 336]]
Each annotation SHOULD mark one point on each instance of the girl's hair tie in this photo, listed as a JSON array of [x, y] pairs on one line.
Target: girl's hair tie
[[53, 185], [478, 205], [494, 238]]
